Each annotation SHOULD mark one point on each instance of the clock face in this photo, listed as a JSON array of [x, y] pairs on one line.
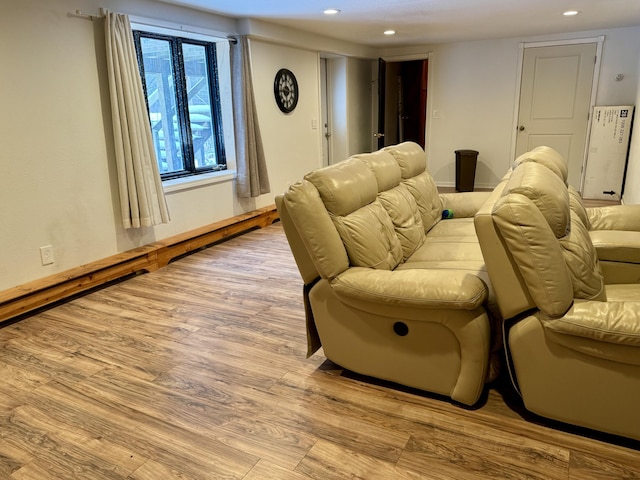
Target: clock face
[[285, 89]]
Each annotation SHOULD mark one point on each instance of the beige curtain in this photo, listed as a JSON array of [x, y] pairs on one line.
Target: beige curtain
[[252, 179], [142, 199]]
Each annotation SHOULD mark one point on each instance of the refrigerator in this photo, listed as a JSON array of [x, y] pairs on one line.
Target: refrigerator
[[608, 152]]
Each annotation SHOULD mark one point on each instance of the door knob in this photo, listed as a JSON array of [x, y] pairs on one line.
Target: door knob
[[521, 128], [378, 135]]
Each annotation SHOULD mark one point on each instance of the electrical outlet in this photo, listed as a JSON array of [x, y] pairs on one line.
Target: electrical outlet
[[46, 255]]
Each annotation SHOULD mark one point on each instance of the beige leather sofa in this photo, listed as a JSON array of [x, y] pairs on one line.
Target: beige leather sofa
[[573, 328], [392, 290]]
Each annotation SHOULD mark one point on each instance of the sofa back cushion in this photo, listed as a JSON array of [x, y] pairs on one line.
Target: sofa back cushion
[[535, 252], [349, 191], [577, 207], [582, 260], [308, 223], [405, 215], [548, 241], [546, 191], [548, 157], [369, 237], [424, 191], [396, 199], [384, 168], [345, 186], [411, 158]]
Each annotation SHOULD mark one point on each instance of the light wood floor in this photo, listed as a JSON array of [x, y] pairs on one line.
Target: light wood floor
[[198, 371]]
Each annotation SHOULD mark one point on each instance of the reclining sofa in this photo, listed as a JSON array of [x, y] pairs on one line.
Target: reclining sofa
[[426, 290], [392, 289], [567, 283]]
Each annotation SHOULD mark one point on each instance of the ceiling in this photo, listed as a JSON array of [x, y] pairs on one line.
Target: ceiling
[[429, 21]]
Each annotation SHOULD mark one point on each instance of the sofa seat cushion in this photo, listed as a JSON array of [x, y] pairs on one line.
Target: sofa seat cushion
[[451, 240], [371, 290], [451, 244], [457, 227], [439, 251]]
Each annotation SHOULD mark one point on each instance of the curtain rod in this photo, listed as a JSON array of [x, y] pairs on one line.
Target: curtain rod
[[102, 14], [87, 16]]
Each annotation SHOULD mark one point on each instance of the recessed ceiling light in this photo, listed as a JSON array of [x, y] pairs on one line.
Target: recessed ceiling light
[[331, 11], [570, 13], [389, 32]]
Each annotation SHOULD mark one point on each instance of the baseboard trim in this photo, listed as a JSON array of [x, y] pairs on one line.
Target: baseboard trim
[[40, 293]]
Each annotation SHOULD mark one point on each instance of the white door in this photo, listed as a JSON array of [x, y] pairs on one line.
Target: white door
[[555, 98]]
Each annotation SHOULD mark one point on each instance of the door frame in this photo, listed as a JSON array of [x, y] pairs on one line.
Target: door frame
[[325, 111], [599, 41], [409, 58]]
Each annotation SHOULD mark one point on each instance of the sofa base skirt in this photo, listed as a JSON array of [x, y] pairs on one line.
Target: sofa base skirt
[[440, 351], [565, 385]]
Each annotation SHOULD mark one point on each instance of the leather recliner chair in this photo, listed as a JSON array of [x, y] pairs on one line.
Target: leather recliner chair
[[572, 336]]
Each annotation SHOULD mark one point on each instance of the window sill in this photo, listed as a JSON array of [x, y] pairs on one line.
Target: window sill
[[195, 181]]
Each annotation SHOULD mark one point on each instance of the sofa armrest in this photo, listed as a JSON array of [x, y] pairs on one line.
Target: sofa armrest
[[419, 288], [609, 330], [611, 322], [616, 245], [463, 204], [615, 217]]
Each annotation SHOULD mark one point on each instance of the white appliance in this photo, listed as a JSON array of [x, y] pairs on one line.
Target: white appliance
[[608, 150]]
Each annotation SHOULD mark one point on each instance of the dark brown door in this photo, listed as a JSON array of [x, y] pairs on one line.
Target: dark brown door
[[413, 114], [402, 102]]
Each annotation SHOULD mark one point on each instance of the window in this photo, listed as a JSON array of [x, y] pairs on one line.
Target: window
[[180, 80]]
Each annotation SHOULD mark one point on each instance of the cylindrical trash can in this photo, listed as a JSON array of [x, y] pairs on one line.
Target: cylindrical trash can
[[466, 161]]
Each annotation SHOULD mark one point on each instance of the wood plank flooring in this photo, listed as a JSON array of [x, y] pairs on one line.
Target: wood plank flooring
[[198, 371]]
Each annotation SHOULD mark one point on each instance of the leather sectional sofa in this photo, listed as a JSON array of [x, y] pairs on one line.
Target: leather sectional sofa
[[399, 286]]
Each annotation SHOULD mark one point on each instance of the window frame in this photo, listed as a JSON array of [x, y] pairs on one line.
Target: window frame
[[182, 101]]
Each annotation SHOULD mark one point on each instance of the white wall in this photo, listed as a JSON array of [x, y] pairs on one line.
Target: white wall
[[473, 87], [57, 171], [292, 146], [632, 183], [338, 111]]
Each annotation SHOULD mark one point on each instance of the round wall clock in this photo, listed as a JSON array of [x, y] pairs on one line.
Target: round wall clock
[[285, 89]]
